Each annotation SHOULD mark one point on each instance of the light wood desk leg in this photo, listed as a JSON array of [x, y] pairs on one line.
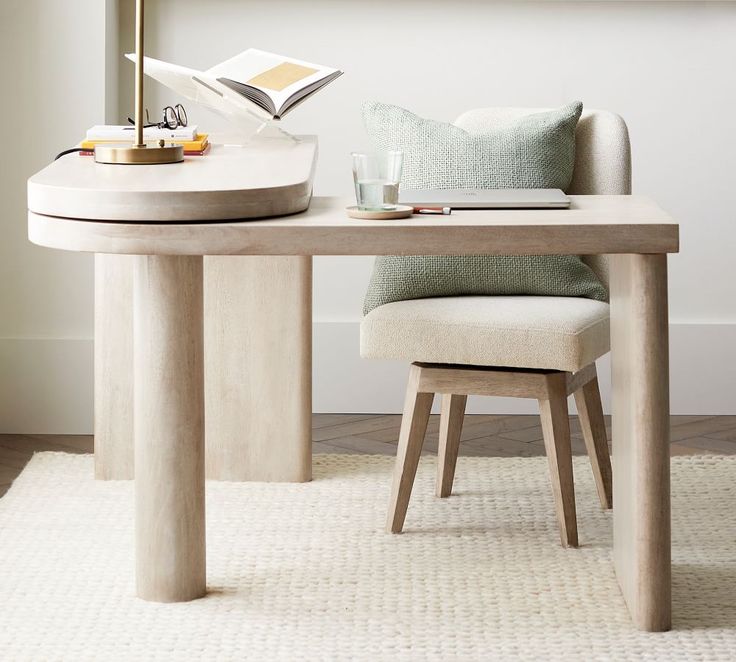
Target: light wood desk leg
[[114, 367], [169, 428], [641, 464], [258, 367], [258, 328]]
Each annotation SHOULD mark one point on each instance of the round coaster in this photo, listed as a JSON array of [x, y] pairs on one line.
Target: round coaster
[[400, 211]]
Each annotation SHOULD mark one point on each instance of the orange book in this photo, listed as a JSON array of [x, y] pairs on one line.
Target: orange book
[[201, 152], [199, 145]]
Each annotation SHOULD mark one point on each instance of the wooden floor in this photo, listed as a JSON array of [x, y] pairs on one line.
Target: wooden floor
[[507, 436]]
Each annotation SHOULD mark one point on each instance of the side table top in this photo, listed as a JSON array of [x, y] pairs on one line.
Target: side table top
[[266, 177]]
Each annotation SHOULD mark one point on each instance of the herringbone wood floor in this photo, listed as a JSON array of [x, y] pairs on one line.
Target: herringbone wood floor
[[486, 435]]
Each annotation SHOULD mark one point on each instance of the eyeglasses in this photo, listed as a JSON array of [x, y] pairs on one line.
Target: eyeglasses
[[173, 118]]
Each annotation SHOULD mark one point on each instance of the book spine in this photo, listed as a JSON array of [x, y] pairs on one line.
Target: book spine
[[189, 145], [187, 152]]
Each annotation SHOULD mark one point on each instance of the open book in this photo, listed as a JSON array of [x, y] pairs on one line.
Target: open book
[[269, 85]]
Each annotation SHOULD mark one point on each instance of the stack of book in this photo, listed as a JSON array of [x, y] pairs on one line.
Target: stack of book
[[194, 143]]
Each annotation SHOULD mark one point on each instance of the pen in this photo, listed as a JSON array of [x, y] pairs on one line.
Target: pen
[[432, 210]]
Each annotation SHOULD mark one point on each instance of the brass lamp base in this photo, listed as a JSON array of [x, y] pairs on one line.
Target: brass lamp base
[[127, 155]]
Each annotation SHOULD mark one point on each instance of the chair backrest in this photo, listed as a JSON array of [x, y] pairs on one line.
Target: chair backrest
[[602, 154]]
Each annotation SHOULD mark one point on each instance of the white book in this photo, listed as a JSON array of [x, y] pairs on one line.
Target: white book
[[265, 84], [127, 132]]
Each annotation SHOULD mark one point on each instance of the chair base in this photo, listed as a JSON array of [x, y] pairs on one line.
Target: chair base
[[550, 387]]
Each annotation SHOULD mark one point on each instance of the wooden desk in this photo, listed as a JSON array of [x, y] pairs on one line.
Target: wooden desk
[[251, 391], [169, 340]]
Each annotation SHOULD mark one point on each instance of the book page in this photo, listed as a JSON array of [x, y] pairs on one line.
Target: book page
[[281, 76], [277, 76]]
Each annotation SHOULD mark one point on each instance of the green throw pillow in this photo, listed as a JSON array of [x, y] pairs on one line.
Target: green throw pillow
[[536, 151]]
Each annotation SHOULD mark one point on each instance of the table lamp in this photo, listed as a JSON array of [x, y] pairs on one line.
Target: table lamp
[[139, 153]]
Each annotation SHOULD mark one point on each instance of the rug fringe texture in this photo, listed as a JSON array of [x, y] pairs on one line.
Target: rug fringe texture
[[306, 572]]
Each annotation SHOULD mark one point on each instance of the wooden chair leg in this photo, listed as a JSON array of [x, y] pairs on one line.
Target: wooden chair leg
[[411, 439], [590, 413], [451, 424], [556, 430]]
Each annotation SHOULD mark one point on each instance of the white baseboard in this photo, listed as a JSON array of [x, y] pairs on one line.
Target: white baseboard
[[46, 384]]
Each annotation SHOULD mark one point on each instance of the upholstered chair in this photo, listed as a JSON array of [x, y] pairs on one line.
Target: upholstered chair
[[519, 346]]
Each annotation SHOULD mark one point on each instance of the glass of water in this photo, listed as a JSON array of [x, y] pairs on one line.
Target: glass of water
[[377, 177]]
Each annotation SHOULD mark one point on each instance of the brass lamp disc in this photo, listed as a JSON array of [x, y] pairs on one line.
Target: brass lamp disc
[[127, 155]]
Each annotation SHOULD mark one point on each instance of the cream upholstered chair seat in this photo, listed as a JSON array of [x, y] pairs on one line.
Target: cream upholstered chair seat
[[520, 346], [555, 333]]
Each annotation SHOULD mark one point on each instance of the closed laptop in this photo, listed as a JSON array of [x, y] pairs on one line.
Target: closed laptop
[[516, 198]]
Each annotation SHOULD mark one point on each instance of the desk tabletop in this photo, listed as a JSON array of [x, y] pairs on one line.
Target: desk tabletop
[[267, 177], [593, 225]]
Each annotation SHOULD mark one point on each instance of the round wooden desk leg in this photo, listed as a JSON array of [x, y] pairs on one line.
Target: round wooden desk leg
[[169, 428]]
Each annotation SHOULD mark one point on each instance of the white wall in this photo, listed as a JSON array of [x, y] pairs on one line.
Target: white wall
[[666, 67], [53, 82]]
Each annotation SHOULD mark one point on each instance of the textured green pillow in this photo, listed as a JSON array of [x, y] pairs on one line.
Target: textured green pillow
[[536, 151]]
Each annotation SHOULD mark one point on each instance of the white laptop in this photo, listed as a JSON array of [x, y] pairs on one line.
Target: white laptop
[[511, 198]]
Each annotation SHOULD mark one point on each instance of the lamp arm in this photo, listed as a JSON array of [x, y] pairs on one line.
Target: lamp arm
[[139, 154], [139, 9]]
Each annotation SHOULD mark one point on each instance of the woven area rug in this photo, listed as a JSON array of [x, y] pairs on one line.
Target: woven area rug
[[305, 572]]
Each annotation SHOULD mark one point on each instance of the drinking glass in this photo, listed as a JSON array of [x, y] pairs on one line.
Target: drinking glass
[[377, 177]]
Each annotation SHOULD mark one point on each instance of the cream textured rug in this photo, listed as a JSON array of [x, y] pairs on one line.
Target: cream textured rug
[[305, 572]]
